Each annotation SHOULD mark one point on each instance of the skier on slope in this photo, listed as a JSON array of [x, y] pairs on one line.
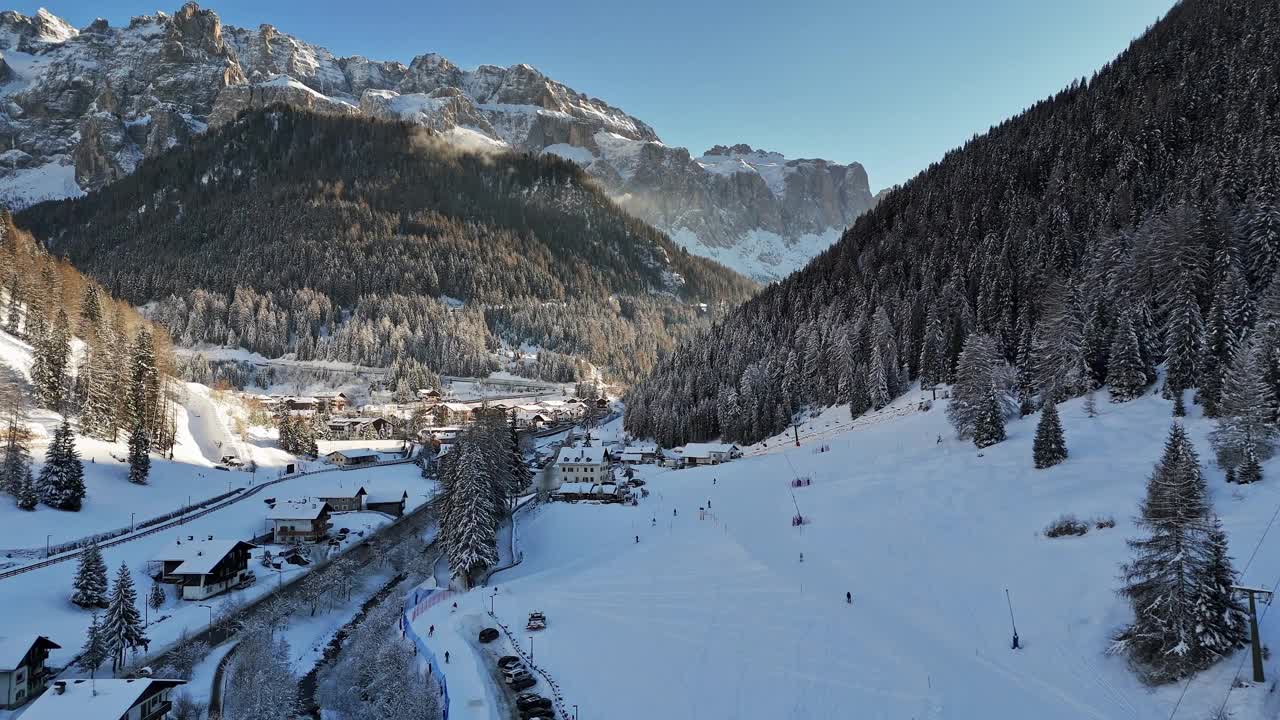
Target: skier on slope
[[431, 631], [848, 598], [446, 657], [637, 539]]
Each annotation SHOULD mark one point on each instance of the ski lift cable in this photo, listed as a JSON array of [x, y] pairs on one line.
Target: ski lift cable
[[1256, 548]]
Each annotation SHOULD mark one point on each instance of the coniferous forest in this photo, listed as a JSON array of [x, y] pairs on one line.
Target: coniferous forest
[[345, 239], [1131, 220]]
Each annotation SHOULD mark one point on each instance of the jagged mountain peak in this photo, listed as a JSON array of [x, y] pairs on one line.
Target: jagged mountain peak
[[81, 109]]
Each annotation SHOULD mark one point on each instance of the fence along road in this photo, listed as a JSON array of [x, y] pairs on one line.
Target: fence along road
[[183, 519]]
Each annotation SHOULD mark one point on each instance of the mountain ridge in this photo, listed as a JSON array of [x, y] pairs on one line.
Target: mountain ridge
[[82, 107]]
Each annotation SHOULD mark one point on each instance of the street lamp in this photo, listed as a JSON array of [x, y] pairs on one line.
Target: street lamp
[[210, 619], [131, 516], [575, 712], [530, 648], [47, 538]]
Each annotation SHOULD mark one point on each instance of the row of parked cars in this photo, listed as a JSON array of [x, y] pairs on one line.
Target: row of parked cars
[[531, 706]]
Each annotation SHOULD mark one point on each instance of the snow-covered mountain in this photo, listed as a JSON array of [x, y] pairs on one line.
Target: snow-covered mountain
[[80, 108]]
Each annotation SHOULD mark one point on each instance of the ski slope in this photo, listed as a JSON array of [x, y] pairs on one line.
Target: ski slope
[[715, 616]]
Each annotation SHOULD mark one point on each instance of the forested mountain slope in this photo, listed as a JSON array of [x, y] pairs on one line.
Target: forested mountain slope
[[1127, 221], [267, 228]]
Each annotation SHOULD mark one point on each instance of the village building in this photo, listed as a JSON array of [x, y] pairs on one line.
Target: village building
[[204, 567], [392, 503], [639, 454], [452, 413], [342, 498], [353, 457], [23, 674], [709, 453], [347, 428], [105, 699], [330, 403], [299, 520], [429, 394], [583, 464]]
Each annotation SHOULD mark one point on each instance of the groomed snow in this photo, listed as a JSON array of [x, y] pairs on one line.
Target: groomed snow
[[715, 616]]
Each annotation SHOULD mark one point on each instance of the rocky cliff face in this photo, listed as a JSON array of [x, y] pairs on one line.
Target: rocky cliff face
[[80, 108]]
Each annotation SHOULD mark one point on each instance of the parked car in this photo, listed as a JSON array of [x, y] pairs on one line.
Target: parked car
[[223, 468], [537, 713], [524, 683], [529, 701], [517, 676], [507, 661], [488, 635], [537, 621]]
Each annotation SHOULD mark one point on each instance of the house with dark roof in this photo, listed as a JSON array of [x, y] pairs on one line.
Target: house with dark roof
[[202, 568], [23, 674], [300, 520]]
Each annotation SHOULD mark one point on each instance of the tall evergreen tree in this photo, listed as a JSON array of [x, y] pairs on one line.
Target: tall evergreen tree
[[471, 534], [988, 426], [1126, 373], [53, 356], [1050, 447], [90, 584], [123, 623], [139, 455], [28, 497], [95, 651], [1185, 617], [17, 461], [981, 368], [61, 478], [1245, 426]]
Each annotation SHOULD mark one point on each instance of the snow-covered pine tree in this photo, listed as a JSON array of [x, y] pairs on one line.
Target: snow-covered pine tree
[[261, 686], [139, 455], [1174, 583], [155, 599], [1091, 404], [1126, 372], [1251, 468], [988, 426], [1261, 230], [143, 394], [13, 316], [472, 535], [981, 367], [61, 480], [1228, 316], [123, 624], [27, 495], [933, 350], [1183, 335], [1058, 366], [877, 380], [1223, 623], [1244, 422], [90, 584], [1050, 447], [94, 652]]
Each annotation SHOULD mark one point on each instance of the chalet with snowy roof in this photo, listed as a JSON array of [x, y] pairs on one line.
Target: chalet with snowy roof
[[452, 413], [391, 502], [638, 454], [105, 699], [295, 521], [709, 453], [331, 402], [583, 464], [344, 428], [23, 674], [341, 497], [427, 394], [204, 567], [352, 457]]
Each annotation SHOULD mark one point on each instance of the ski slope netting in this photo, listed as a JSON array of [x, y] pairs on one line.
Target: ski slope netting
[[417, 602]]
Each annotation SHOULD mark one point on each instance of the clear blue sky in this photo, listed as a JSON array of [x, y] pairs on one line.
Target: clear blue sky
[[892, 84]]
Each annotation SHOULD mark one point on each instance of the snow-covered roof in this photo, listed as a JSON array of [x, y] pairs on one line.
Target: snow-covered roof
[[309, 509], [594, 455], [337, 490], [13, 648], [93, 699], [204, 562], [456, 407], [704, 450], [187, 550], [386, 496], [353, 453], [646, 448], [576, 488]]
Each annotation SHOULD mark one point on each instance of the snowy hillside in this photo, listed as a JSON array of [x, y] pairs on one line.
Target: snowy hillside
[[715, 613]]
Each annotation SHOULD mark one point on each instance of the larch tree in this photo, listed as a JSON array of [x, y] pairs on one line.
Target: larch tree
[[1245, 427], [1126, 373]]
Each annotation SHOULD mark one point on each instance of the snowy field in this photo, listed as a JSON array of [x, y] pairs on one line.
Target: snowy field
[[714, 615]]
